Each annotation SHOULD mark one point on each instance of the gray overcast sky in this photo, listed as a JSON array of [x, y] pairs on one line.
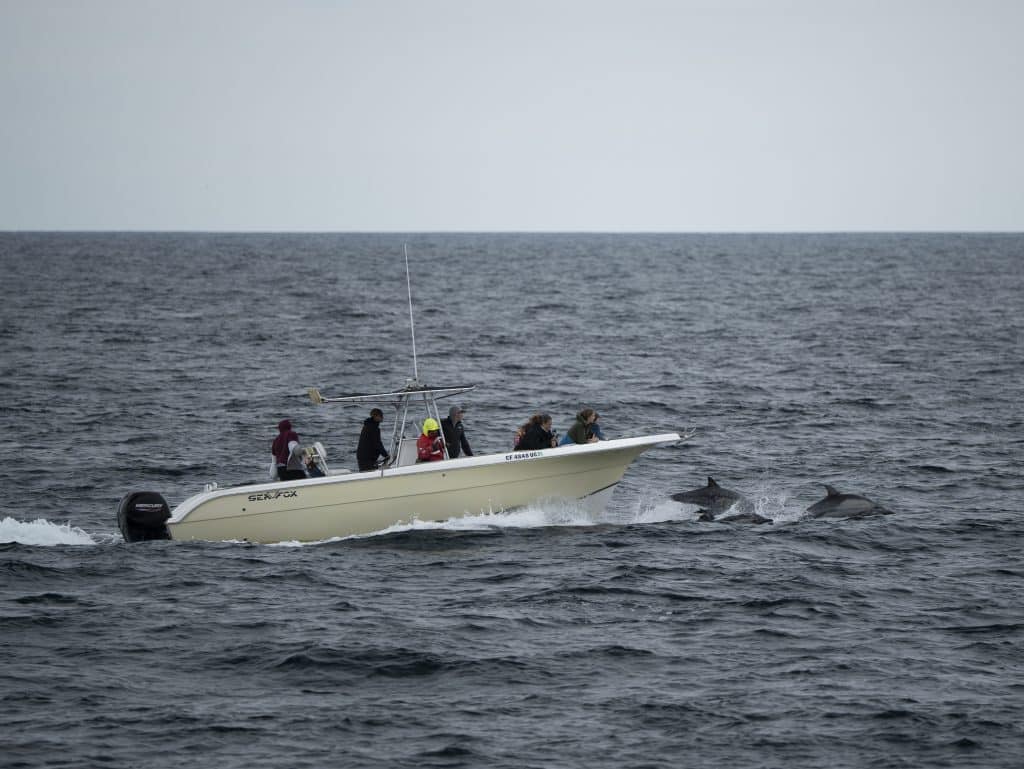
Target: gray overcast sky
[[546, 115]]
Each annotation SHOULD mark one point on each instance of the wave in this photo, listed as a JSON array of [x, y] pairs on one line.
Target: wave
[[566, 513], [768, 503], [555, 512], [42, 532]]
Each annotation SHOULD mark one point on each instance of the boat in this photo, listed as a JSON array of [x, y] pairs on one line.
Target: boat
[[340, 503], [403, 491]]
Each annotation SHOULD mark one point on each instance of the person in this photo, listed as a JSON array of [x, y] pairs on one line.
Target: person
[[581, 430], [370, 445], [455, 433], [537, 434], [287, 453], [520, 432], [312, 468], [596, 428], [430, 445]]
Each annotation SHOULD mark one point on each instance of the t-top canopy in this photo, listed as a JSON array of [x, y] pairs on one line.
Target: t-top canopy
[[412, 390]]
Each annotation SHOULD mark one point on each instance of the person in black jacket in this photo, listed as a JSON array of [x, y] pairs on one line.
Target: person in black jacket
[[455, 433], [537, 434], [370, 445]]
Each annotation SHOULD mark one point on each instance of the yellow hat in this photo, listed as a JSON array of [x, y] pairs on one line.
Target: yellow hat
[[430, 426]]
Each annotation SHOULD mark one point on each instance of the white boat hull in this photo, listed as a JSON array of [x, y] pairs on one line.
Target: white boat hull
[[315, 509]]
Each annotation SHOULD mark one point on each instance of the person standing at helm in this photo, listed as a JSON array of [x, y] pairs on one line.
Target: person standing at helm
[[430, 446], [287, 453], [370, 445]]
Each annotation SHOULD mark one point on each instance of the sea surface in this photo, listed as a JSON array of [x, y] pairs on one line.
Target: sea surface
[[886, 365]]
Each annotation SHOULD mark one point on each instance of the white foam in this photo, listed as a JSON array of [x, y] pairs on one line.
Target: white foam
[[663, 510], [554, 513], [775, 503], [42, 532], [768, 501], [770, 504]]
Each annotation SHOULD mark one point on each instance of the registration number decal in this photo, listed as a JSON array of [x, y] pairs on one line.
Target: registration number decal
[[523, 455]]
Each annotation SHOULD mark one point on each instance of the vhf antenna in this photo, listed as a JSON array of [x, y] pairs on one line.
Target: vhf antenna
[[412, 325]]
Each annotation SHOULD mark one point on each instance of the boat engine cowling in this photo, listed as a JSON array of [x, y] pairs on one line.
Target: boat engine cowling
[[142, 516]]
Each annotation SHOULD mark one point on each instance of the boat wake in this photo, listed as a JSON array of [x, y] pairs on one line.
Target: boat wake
[[776, 506], [42, 532], [553, 513]]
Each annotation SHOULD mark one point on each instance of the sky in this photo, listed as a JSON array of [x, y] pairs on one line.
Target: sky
[[520, 115]]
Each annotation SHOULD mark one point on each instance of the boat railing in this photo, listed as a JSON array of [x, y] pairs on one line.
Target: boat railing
[[412, 399]]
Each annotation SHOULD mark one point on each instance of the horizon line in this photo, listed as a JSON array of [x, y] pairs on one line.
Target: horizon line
[[184, 231]]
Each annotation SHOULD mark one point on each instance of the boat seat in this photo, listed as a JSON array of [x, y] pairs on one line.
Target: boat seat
[[407, 453], [318, 454]]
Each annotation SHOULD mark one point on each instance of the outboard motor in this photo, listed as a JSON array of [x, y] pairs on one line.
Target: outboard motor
[[142, 516]]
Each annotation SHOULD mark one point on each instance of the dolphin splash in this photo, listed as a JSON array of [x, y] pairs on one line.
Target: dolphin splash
[[718, 503], [837, 505]]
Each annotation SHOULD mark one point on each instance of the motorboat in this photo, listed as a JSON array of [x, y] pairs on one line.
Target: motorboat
[[341, 503]]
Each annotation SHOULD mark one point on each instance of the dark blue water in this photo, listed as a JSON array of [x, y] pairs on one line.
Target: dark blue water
[[886, 365]]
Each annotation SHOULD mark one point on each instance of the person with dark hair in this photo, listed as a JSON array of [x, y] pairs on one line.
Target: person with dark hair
[[455, 433], [520, 432], [370, 445], [581, 430], [287, 453], [537, 434]]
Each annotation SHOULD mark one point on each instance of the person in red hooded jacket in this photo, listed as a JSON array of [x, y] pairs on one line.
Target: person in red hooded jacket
[[287, 453]]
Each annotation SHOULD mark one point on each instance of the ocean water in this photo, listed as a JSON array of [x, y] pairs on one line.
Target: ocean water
[[885, 365]]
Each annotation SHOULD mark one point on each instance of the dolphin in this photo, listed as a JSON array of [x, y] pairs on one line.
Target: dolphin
[[836, 505], [718, 503]]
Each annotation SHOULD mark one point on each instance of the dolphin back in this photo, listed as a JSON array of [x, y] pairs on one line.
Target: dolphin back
[[714, 499], [839, 505]]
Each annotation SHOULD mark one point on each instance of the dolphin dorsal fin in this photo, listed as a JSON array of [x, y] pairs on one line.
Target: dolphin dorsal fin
[[711, 482], [831, 491]]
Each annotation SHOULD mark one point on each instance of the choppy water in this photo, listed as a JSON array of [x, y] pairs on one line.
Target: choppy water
[[888, 365]]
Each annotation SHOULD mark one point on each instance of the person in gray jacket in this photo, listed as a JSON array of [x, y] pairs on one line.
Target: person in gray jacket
[[455, 433]]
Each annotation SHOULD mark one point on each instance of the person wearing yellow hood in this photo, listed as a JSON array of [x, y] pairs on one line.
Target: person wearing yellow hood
[[430, 446]]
